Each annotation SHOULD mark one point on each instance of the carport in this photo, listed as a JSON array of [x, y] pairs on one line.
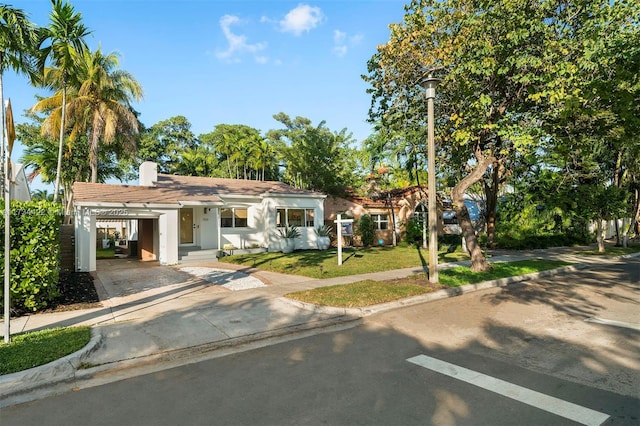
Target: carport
[[151, 243]]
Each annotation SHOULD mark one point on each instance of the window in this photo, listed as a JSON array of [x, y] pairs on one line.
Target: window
[[234, 218], [380, 221], [309, 221], [421, 214], [449, 217], [295, 217]]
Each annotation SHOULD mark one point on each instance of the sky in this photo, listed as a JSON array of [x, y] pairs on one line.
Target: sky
[[233, 62]]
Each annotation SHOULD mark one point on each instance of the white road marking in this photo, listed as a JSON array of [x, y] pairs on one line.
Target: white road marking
[[630, 325], [562, 408]]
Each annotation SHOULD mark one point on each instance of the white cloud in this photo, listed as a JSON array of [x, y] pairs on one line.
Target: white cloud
[[237, 42], [301, 19], [339, 37], [342, 42]]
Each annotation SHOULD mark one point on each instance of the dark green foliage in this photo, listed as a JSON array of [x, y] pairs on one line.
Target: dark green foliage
[[366, 230], [315, 157], [413, 234], [35, 248]]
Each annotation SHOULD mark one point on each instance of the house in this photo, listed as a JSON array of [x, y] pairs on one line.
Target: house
[[389, 208], [19, 185], [396, 207], [178, 216]]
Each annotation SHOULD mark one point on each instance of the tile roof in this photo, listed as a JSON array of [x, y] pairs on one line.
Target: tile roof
[[222, 186], [171, 189]]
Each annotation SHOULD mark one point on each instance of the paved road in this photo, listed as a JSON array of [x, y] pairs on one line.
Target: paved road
[[521, 355]]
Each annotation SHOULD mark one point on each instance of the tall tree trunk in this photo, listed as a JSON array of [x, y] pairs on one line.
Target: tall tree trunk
[[635, 217], [600, 235], [478, 261], [617, 180], [94, 140], [61, 141], [491, 199]]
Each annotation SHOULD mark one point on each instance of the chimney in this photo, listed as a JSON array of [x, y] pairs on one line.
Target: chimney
[[148, 174]]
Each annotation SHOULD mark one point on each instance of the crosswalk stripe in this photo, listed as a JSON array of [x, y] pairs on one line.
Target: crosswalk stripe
[[568, 410]]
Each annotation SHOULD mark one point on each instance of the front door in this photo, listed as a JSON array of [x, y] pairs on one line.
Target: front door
[[186, 226]]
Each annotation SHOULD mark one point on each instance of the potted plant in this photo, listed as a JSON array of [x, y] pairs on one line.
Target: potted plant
[[323, 234], [289, 235]]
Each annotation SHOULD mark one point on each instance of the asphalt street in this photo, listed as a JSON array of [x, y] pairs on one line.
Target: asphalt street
[[544, 352]]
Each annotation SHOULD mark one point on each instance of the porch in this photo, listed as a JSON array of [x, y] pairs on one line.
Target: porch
[[198, 254]]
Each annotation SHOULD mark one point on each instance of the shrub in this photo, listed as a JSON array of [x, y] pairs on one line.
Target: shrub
[[35, 254], [413, 232], [365, 229]]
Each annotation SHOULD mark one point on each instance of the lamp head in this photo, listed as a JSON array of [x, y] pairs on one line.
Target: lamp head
[[429, 84]]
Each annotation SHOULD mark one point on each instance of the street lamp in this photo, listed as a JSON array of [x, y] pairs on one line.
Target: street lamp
[[429, 84]]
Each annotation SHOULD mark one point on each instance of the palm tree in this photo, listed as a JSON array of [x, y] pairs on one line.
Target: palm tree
[[41, 194], [103, 104], [18, 38], [263, 154], [65, 34], [99, 107]]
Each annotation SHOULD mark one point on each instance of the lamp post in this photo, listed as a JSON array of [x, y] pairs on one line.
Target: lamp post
[[429, 84]]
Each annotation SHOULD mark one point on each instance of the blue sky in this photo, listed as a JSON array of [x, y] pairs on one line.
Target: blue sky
[[235, 62]]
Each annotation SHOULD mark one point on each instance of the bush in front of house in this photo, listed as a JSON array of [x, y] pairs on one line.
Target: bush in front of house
[[35, 254], [366, 230]]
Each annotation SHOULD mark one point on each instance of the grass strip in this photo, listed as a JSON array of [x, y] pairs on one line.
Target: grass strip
[[323, 264], [31, 349], [369, 292], [462, 275]]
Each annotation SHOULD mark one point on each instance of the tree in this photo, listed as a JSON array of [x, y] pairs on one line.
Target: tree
[[490, 59], [592, 107], [164, 142], [65, 35], [198, 161], [244, 151], [101, 106], [18, 39], [314, 157], [40, 158]]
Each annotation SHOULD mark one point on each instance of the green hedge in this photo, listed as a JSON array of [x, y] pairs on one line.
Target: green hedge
[[35, 254]]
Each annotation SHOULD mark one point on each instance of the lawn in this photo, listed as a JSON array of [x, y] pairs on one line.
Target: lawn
[[28, 350], [365, 293], [105, 253], [324, 264], [611, 250]]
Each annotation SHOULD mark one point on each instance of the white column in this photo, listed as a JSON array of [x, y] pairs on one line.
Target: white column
[[168, 225], [85, 240]]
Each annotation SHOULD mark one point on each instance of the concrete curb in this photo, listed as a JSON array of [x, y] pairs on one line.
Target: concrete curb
[[64, 374], [58, 371], [429, 297]]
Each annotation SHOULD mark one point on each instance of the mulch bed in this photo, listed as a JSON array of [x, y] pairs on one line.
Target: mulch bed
[[418, 279], [76, 292]]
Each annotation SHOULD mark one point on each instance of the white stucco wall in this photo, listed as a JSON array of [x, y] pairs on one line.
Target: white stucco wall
[[85, 233], [307, 239], [168, 237]]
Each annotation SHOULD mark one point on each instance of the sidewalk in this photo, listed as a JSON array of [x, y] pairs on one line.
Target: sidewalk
[[156, 317]]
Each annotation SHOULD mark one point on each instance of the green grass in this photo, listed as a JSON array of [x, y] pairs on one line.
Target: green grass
[[614, 251], [358, 294], [324, 264], [462, 275], [31, 349], [105, 253], [365, 293]]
